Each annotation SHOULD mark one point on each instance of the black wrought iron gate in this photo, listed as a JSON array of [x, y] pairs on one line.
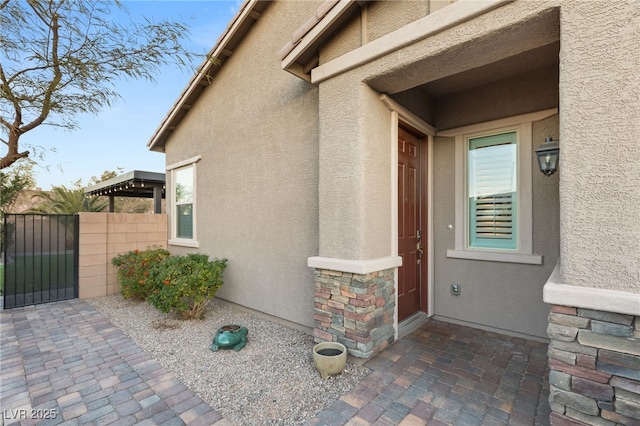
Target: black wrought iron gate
[[39, 258]]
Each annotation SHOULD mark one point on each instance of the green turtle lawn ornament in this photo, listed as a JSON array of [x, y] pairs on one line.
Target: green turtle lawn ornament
[[230, 337]]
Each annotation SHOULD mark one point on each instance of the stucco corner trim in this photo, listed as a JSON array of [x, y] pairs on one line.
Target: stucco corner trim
[[620, 302], [355, 266]]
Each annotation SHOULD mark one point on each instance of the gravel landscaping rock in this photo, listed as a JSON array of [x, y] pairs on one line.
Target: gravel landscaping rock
[[271, 381]]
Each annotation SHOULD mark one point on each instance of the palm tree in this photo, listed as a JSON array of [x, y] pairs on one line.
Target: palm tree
[[62, 200]]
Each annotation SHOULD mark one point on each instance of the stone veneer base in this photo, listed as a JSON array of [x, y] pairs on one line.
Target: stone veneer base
[[594, 362], [356, 310]]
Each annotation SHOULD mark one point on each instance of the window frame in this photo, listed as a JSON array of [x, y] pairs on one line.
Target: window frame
[[523, 252], [172, 170], [506, 243]]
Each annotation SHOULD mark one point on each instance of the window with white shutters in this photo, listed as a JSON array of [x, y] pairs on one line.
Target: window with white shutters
[[494, 168], [492, 191]]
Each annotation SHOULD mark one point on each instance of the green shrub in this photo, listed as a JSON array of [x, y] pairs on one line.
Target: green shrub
[[134, 271], [184, 285]]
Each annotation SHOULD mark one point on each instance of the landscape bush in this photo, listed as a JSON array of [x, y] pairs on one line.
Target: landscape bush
[[134, 271], [185, 284]]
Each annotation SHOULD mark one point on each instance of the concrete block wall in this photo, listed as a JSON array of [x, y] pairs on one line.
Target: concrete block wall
[[105, 235]]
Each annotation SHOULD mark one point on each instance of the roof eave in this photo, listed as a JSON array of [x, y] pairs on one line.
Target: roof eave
[[249, 13], [299, 55]]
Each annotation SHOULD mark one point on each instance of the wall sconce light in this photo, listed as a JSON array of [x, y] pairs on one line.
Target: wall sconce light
[[548, 156]]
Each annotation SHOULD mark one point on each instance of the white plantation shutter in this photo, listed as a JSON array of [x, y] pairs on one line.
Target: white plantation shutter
[[492, 192], [494, 216]]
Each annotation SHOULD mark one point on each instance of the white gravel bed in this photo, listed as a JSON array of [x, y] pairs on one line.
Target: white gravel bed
[[271, 381]]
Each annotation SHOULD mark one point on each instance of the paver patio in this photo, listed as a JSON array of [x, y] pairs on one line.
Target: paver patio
[[67, 360], [447, 374]]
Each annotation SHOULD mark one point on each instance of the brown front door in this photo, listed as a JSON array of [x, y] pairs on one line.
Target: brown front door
[[412, 236]]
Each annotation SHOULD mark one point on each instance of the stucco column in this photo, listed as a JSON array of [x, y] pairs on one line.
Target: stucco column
[[355, 172], [599, 149], [594, 325], [355, 290]]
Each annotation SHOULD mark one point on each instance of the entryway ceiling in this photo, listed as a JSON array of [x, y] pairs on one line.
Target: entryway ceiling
[[541, 57], [516, 49]]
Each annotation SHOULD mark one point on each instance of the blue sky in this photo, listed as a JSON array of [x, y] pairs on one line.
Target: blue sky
[[117, 137]]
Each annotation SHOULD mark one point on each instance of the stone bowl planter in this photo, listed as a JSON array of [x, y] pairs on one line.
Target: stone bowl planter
[[329, 358]]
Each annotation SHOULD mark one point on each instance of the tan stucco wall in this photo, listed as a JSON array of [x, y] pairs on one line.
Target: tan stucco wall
[[344, 114], [600, 153], [374, 20], [316, 162], [384, 17], [598, 95], [105, 235], [496, 295], [355, 185], [256, 128]]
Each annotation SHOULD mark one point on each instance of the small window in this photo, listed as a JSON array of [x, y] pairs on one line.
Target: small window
[[492, 191], [183, 203]]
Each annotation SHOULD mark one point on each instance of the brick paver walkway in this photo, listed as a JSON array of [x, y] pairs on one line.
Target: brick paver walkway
[[446, 374], [67, 362]]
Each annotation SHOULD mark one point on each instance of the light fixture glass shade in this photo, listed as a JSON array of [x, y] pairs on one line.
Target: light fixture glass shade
[[547, 156]]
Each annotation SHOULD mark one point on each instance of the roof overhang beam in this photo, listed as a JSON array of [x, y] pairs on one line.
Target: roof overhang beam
[[299, 55]]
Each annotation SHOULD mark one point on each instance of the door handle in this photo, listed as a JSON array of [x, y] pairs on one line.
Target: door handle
[[420, 251]]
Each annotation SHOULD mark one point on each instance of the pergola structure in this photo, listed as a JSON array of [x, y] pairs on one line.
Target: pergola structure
[[137, 183]]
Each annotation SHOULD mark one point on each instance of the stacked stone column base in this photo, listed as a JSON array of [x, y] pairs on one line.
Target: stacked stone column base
[[594, 361], [355, 310]]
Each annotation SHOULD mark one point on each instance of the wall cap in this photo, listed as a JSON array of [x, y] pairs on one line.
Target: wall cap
[[600, 299], [355, 266]]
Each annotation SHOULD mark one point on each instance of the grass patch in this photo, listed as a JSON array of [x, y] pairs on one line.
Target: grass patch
[[27, 274]]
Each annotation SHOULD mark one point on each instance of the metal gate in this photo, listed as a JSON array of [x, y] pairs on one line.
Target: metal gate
[[39, 258]]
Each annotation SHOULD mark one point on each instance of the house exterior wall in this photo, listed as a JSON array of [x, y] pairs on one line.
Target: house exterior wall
[[356, 214], [600, 58], [355, 187], [385, 17], [257, 180], [593, 358], [338, 142], [375, 20], [500, 296], [594, 355], [595, 291], [395, 73]]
